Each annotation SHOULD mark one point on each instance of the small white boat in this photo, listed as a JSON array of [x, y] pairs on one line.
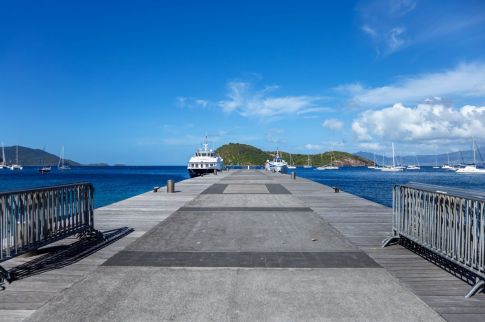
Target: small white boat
[[413, 167], [374, 166], [472, 168], [448, 166], [45, 169], [62, 162], [392, 168], [16, 166], [277, 164], [3, 164], [329, 166], [291, 165], [308, 165]]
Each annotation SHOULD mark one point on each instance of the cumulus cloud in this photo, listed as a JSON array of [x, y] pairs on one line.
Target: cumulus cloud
[[332, 124], [425, 123], [467, 80], [245, 100]]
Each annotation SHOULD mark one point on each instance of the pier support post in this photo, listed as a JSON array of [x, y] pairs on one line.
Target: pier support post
[[170, 186]]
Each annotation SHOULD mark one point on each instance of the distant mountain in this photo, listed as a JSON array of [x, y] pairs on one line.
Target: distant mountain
[[427, 159], [28, 156], [243, 154]]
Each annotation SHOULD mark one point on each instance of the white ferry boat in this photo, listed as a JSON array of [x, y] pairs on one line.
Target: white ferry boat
[[277, 165], [204, 161]]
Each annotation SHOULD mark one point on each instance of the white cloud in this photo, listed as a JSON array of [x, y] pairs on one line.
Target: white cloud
[[467, 79], [395, 40], [332, 124], [425, 123], [401, 7], [369, 30], [276, 136], [370, 146], [190, 102], [310, 146], [242, 98]]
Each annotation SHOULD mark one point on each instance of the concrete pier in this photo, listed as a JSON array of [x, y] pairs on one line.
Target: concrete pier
[[244, 246]]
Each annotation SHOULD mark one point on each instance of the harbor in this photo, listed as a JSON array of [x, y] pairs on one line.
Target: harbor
[[243, 245]]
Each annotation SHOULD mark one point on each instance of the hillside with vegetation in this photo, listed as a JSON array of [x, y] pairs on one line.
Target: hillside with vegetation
[[29, 157], [243, 154]]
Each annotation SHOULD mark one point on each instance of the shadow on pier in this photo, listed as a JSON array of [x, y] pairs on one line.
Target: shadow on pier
[[445, 264], [60, 256]]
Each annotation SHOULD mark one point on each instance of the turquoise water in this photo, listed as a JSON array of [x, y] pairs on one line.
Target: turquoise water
[[113, 184]]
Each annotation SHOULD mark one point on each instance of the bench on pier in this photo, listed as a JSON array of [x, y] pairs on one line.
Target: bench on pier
[[31, 219], [445, 224]]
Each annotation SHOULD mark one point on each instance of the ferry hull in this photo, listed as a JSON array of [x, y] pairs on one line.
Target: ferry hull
[[200, 172]]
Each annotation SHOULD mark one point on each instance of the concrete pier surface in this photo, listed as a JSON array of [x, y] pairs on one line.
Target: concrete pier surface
[[244, 245]]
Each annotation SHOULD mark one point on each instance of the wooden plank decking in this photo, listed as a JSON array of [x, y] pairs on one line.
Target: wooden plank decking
[[360, 223]]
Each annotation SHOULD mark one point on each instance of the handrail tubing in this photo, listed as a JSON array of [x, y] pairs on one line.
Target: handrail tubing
[[47, 188]]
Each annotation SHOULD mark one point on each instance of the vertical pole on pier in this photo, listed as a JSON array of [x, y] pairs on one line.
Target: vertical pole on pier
[[170, 186]]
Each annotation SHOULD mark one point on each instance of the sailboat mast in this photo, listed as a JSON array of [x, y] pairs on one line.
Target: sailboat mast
[[3, 155], [17, 155], [393, 160], [474, 152]]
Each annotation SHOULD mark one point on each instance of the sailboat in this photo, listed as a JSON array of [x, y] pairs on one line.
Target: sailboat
[[291, 165], [472, 168], [3, 164], [392, 168], [45, 168], [308, 165], [16, 166], [374, 166], [329, 166], [414, 166], [436, 163], [448, 166], [62, 165]]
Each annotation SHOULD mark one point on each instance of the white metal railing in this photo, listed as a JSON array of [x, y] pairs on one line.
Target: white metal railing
[[32, 218], [449, 222]]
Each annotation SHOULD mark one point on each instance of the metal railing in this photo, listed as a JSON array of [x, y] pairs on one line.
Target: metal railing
[[449, 222], [32, 218]]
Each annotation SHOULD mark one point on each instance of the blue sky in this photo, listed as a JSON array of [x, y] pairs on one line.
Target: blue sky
[[142, 82]]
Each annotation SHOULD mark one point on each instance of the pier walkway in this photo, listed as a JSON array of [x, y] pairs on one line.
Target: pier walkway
[[244, 246]]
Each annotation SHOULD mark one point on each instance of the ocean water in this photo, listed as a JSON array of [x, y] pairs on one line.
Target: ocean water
[[113, 184], [377, 186]]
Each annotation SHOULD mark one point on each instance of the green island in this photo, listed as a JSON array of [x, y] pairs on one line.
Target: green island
[[244, 154]]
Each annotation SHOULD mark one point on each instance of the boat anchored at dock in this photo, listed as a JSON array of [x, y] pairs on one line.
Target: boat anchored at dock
[[277, 165], [204, 161]]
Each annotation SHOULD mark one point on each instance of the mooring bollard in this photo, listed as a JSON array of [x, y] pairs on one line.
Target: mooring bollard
[[293, 175], [170, 186], [336, 189]]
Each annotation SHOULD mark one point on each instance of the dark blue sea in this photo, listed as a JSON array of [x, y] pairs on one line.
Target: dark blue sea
[[113, 184]]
